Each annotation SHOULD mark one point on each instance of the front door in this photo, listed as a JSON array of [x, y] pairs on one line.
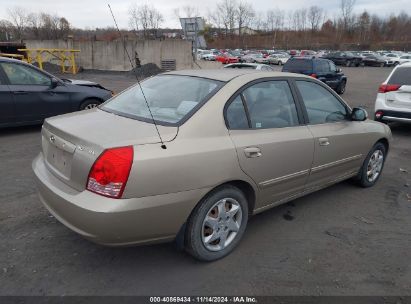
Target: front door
[[338, 141], [34, 98], [273, 148]]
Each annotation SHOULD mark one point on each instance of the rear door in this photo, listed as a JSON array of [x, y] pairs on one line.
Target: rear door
[[400, 98], [338, 141], [6, 102], [273, 147], [33, 96]]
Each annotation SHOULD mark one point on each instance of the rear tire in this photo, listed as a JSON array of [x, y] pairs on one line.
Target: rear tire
[[280, 63], [372, 167], [89, 104], [210, 233]]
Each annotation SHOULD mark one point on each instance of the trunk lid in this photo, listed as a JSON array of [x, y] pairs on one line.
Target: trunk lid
[[71, 143]]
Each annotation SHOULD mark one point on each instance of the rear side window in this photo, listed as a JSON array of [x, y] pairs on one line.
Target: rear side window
[[401, 76], [268, 104], [299, 65], [322, 106]]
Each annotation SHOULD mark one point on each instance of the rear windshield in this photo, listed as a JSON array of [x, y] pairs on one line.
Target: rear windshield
[[298, 65], [401, 76], [171, 98]]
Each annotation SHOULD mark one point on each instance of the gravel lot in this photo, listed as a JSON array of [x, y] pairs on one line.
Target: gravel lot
[[343, 240]]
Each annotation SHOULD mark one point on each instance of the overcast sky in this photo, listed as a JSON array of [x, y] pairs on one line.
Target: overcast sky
[[95, 13]]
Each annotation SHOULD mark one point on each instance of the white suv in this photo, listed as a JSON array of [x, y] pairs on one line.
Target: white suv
[[394, 96]]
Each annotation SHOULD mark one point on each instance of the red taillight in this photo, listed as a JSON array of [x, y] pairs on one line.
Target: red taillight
[[313, 75], [379, 114], [109, 174], [384, 88]]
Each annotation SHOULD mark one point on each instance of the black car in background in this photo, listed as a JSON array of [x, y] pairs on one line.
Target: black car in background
[[373, 60], [28, 95], [322, 69], [344, 58]]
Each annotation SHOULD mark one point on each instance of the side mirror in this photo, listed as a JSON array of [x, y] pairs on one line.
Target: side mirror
[[359, 114], [54, 83]]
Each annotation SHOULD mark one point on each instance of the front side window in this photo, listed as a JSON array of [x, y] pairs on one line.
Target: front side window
[[332, 67], [270, 104], [322, 66], [171, 98], [19, 74], [322, 106]]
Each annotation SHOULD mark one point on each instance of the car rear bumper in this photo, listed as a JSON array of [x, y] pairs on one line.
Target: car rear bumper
[[397, 116], [115, 222]]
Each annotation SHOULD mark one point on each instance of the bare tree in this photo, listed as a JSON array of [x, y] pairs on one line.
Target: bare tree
[[347, 7], [145, 17], [275, 22], [18, 16], [227, 9], [244, 14], [6, 28], [259, 22], [315, 15], [33, 22], [64, 27]]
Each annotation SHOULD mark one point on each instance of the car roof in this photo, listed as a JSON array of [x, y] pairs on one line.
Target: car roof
[[246, 64], [229, 74], [10, 59]]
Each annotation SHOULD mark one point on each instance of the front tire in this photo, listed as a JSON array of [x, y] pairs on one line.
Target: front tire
[[341, 88], [372, 167], [217, 224], [89, 104]]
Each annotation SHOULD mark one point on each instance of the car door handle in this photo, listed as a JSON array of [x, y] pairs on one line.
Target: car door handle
[[252, 152], [323, 141], [20, 92]]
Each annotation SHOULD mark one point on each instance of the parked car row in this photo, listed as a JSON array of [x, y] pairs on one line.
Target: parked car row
[[280, 57]]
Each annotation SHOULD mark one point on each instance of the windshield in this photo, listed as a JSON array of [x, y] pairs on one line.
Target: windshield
[[171, 98]]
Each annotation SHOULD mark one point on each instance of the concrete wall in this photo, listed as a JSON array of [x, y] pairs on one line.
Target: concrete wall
[[110, 55]]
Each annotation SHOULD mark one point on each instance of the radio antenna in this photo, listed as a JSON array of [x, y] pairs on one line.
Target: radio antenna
[[163, 146]]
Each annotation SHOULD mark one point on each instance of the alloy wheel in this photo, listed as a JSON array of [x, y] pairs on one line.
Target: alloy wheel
[[90, 106], [374, 166], [221, 224]]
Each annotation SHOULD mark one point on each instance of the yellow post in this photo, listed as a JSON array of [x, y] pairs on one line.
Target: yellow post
[[39, 60], [73, 64]]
